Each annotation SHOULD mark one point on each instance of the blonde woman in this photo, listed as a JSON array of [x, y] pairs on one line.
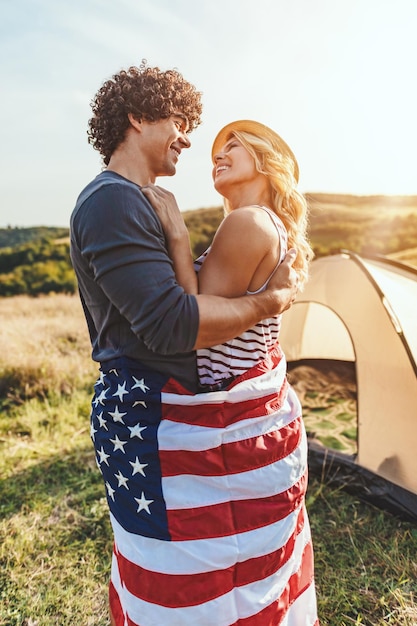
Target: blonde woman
[[256, 464]]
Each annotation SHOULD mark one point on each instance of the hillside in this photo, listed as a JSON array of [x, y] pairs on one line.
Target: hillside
[[385, 225], [11, 237], [36, 260]]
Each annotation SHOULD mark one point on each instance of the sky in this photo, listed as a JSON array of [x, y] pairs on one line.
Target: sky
[[335, 78]]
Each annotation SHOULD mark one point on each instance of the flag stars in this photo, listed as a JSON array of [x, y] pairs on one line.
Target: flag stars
[[100, 379], [140, 403], [122, 480], [121, 391], [138, 467], [102, 422], [100, 399], [136, 431], [103, 456], [143, 504], [118, 444], [110, 491], [116, 415], [140, 384], [92, 431]]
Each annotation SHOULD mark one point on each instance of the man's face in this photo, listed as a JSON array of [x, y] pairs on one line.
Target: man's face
[[162, 143]]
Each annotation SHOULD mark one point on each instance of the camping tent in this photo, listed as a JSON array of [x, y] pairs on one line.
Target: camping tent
[[364, 310]]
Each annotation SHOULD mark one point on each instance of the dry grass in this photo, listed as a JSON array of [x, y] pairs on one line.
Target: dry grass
[[45, 347]]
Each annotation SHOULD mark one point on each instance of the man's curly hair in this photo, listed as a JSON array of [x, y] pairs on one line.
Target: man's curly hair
[[146, 92]]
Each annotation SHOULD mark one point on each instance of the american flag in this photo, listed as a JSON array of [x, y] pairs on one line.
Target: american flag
[[206, 497]]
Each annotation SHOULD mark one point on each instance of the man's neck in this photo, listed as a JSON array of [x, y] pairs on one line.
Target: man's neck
[[129, 168]]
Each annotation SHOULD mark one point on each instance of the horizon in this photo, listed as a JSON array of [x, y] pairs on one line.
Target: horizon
[[403, 197]]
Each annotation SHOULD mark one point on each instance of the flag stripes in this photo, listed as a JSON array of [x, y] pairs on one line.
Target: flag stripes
[[239, 455], [167, 589], [206, 494], [265, 601]]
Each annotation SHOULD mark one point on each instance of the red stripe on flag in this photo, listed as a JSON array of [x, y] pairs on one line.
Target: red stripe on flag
[[274, 614], [182, 590], [116, 610], [230, 518], [233, 457], [223, 414]]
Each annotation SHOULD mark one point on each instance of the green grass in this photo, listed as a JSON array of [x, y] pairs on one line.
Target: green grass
[[365, 561], [54, 530]]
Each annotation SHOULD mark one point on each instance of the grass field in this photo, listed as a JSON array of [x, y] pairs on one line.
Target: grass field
[[55, 537]]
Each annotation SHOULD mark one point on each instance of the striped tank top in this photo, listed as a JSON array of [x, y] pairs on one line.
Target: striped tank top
[[218, 364]]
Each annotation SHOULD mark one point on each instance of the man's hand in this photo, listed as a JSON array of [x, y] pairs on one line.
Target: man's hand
[[284, 283]]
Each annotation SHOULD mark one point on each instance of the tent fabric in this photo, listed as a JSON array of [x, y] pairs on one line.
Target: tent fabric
[[363, 309], [341, 470]]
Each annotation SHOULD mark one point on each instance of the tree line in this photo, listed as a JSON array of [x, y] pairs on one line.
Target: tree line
[[37, 267], [36, 261]]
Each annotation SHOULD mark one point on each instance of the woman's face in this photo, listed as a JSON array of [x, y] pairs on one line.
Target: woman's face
[[233, 165]]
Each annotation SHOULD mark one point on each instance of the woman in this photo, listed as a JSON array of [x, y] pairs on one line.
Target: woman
[[263, 449]]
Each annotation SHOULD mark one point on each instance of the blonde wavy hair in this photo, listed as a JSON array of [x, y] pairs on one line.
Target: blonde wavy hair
[[281, 169]]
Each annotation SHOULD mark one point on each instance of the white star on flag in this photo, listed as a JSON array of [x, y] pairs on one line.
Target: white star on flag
[[92, 431], [116, 415], [103, 456], [121, 391], [102, 421], [110, 491], [137, 467], [140, 402], [122, 480], [101, 397], [118, 444], [100, 380], [140, 384], [143, 504], [136, 431]]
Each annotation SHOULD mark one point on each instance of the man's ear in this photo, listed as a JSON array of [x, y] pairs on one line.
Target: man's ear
[[137, 124]]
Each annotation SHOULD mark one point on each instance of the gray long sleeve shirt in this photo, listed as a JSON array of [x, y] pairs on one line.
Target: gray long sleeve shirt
[[133, 305]]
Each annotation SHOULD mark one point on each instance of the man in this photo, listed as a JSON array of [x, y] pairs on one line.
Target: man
[[143, 327]]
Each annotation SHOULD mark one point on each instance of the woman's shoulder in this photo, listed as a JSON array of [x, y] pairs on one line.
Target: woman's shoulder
[[252, 220]]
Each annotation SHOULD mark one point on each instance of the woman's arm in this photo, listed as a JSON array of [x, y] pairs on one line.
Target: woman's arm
[[243, 254]]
